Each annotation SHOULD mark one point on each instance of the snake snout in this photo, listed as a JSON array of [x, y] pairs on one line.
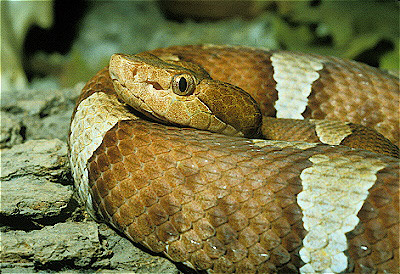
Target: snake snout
[[122, 68]]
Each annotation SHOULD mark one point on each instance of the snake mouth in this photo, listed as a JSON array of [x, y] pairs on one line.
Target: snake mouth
[[150, 116]]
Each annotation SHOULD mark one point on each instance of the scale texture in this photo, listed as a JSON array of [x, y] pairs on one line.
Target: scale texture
[[232, 204]]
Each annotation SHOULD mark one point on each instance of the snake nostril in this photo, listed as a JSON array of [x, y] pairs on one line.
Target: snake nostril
[[155, 85]]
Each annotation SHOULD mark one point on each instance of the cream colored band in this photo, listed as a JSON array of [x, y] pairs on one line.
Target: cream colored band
[[94, 116]]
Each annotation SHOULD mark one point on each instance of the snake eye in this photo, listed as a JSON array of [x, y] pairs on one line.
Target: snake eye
[[183, 84]]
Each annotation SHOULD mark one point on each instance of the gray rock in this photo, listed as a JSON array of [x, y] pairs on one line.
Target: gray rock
[[64, 244], [10, 130], [31, 106], [49, 127], [31, 187], [29, 268], [43, 114], [39, 101], [77, 245], [47, 158], [34, 198]]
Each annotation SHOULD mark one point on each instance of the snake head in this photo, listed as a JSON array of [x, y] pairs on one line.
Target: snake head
[[183, 93]]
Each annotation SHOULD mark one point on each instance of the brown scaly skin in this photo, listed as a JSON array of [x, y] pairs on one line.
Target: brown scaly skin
[[304, 130], [221, 203], [160, 205], [345, 91]]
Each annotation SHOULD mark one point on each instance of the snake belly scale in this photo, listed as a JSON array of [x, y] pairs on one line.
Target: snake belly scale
[[225, 200]]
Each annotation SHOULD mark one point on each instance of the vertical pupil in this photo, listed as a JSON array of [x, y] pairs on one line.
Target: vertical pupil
[[182, 84]]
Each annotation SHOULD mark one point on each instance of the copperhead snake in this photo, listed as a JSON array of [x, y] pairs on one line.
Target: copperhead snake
[[315, 200]]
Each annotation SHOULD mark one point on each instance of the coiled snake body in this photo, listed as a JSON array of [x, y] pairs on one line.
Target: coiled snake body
[[222, 200]]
